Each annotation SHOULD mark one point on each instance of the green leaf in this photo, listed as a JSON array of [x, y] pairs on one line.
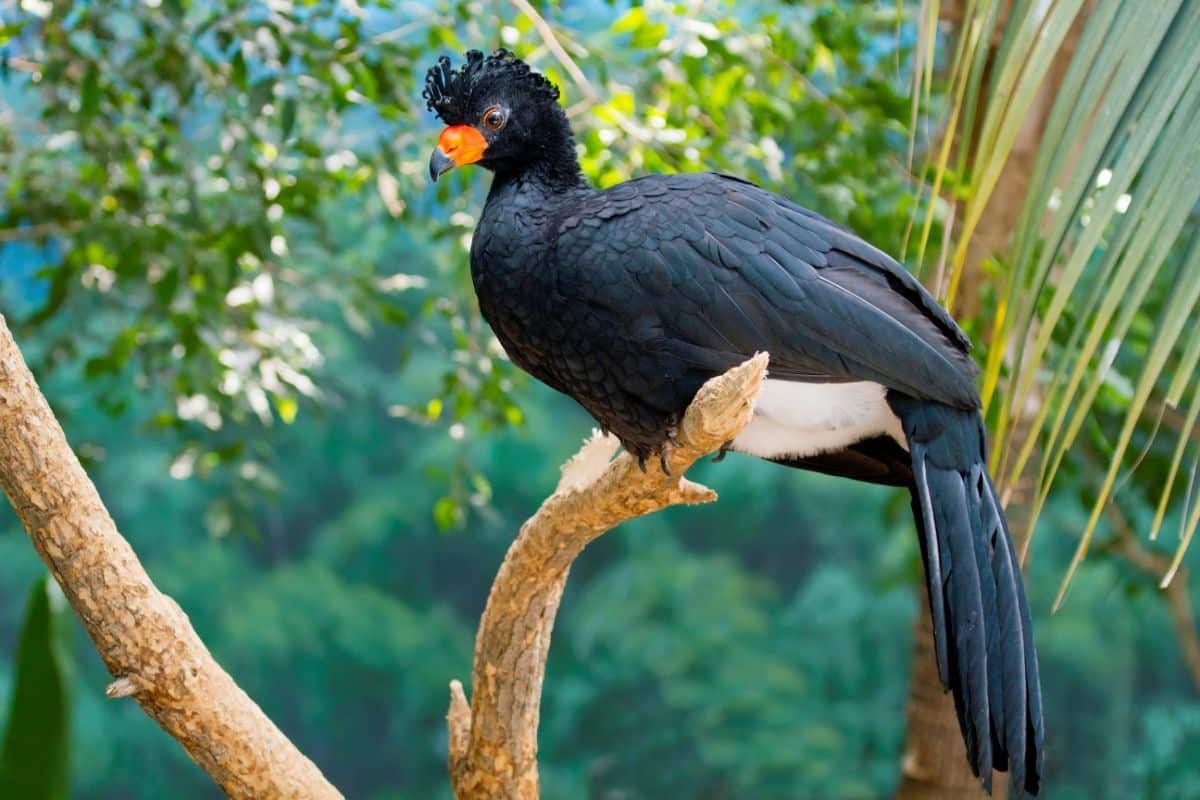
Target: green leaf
[[287, 408], [35, 755], [90, 92], [633, 19], [238, 71], [287, 119], [448, 513]]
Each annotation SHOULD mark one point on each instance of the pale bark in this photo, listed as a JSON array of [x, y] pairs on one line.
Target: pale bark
[[493, 742], [145, 639]]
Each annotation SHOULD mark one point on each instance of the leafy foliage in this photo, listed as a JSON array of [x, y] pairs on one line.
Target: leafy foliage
[[756, 711], [194, 167], [334, 400], [1176, 741], [35, 750]]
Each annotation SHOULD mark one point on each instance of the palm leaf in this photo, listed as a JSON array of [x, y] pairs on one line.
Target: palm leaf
[[1103, 235]]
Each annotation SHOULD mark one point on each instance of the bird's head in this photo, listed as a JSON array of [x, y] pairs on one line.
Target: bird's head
[[499, 113]]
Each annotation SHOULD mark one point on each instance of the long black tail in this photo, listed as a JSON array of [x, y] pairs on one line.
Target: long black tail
[[982, 630]]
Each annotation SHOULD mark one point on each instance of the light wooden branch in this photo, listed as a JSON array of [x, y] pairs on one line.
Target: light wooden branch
[[143, 636], [493, 742]]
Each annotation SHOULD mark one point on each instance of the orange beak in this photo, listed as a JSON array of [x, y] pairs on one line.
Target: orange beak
[[458, 146]]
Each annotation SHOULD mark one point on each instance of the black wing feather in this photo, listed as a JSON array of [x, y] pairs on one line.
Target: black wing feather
[[726, 268]]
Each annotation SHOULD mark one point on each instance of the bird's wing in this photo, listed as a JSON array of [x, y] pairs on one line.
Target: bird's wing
[[707, 269]]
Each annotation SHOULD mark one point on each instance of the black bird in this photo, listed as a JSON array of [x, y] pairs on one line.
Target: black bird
[[628, 299]]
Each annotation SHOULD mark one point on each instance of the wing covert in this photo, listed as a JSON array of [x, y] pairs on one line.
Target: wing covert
[[714, 269]]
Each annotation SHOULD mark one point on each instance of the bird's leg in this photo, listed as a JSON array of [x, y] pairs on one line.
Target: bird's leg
[[724, 451], [642, 463]]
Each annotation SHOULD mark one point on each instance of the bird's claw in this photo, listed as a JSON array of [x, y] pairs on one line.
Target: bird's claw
[[664, 452], [724, 451]]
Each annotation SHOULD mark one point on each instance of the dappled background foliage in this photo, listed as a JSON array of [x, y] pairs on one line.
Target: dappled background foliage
[[221, 253]]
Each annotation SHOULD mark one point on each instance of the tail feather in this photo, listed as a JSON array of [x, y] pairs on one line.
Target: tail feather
[[983, 634], [931, 554], [1024, 725], [968, 615], [1001, 601]]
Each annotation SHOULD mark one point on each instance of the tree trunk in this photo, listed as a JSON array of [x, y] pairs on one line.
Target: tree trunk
[[935, 765]]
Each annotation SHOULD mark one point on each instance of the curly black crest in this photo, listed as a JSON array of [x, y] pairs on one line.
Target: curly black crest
[[450, 93]]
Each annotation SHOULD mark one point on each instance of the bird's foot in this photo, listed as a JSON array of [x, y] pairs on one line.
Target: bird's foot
[[669, 444], [664, 452], [662, 459], [724, 451]]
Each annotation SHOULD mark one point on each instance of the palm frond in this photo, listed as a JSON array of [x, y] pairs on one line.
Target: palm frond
[[1103, 243]]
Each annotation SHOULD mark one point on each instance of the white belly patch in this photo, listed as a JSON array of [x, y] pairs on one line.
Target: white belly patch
[[804, 419]]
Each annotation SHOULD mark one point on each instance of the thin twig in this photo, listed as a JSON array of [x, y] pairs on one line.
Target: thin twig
[[23, 64], [39, 231], [1176, 594], [1176, 419], [581, 80], [833, 107]]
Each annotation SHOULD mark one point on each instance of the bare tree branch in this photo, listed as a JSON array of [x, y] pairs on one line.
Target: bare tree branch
[[145, 639], [21, 64], [39, 231], [1176, 594], [493, 742]]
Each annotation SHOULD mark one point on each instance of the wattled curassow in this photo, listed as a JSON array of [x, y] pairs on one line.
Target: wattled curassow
[[629, 298]]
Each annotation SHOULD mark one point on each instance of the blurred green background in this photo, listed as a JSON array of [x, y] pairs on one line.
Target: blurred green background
[[221, 253]]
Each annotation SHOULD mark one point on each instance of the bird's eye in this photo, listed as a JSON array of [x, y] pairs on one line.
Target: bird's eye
[[494, 118]]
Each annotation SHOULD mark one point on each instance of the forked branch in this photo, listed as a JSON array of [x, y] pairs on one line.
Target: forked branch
[[493, 741]]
